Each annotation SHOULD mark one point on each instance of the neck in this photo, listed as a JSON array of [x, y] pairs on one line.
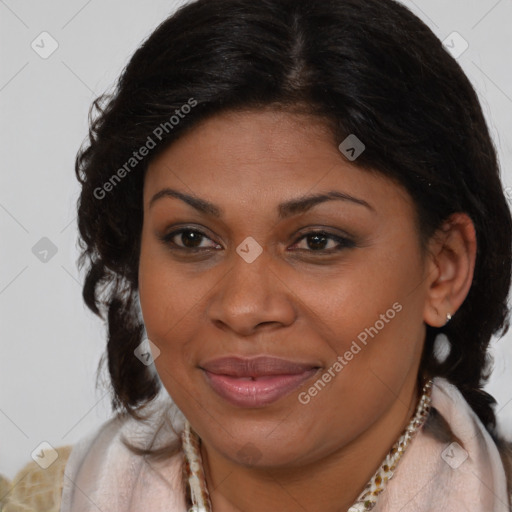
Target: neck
[[330, 484]]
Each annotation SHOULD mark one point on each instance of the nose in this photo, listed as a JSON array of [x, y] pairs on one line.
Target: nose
[[251, 297]]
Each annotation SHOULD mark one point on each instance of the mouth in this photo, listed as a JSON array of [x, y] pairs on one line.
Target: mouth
[[252, 383]]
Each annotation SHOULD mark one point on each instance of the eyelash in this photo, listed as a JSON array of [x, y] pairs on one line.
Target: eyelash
[[343, 243]]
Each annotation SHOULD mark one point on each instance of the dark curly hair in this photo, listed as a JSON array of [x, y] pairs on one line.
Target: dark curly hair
[[368, 67]]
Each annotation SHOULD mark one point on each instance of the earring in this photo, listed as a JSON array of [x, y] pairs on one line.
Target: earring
[[442, 348], [448, 318]]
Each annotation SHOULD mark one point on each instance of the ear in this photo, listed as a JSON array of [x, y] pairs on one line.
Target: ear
[[450, 267]]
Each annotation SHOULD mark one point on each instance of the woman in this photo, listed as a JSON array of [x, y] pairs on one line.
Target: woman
[[290, 208]]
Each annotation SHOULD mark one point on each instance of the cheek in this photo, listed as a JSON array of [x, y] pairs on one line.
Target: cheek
[[166, 314], [370, 310], [161, 294], [171, 303], [356, 294]]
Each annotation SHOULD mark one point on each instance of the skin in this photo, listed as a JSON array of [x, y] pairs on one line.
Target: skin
[[297, 300]]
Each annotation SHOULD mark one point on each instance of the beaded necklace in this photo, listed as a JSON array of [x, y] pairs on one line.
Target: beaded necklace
[[198, 497]]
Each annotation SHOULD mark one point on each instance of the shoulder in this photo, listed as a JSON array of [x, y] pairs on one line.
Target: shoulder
[[114, 468], [39, 488], [34, 488], [505, 450], [98, 462], [453, 422]]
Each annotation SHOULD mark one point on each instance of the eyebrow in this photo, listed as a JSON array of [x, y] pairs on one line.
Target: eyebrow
[[285, 210]]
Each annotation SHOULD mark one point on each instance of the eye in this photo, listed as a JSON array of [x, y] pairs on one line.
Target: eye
[[318, 240], [189, 240]]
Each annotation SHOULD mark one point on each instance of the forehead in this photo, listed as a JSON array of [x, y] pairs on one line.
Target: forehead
[[259, 157], [251, 137]]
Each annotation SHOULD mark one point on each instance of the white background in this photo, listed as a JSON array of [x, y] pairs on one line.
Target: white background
[[51, 343]]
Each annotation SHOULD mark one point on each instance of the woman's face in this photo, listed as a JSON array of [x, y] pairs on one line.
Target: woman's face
[[247, 276]]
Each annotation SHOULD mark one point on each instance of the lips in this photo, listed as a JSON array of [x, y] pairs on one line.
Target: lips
[[262, 366], [255, 382]]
